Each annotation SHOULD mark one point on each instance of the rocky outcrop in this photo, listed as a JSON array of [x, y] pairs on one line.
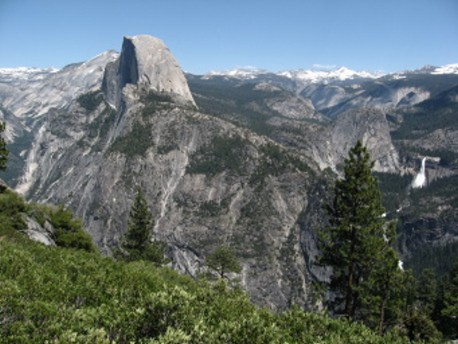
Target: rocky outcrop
[[36, 232], [146, 62], [371, 127], [330, 145]]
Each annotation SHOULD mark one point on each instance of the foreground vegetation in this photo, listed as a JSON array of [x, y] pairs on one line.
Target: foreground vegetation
[[71, 296]]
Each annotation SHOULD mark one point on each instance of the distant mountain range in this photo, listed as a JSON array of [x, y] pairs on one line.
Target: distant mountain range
[[323, 76], [310, 75]]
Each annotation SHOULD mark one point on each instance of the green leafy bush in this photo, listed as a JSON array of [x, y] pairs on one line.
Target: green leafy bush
[[12, 209], [78, 239], [69, 230]]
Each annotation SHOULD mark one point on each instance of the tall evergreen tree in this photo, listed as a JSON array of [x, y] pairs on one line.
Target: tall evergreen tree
[[140, 225], [137, 241], [356, 244], [383, 290], [3, 151]]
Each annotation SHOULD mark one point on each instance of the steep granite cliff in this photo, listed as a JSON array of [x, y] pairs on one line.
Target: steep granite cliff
[[145, 61]]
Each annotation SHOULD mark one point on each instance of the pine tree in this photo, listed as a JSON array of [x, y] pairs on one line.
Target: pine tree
[[427, 291], [223, 260], [383, 290], [3, 151], [140, 224], [356, 244], [137, 241]]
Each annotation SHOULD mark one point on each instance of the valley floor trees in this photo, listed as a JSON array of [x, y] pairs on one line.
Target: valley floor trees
[[365, 281]]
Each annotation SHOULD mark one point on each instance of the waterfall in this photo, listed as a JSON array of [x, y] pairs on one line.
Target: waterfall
[[420, 179]]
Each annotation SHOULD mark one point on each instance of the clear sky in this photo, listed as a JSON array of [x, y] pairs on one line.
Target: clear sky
[[204, 35]]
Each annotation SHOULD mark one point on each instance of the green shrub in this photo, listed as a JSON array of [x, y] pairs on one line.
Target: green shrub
[[77, 239], [12, 210], [69, 231]]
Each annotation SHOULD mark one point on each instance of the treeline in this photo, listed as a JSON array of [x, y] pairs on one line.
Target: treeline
[[243, 105]]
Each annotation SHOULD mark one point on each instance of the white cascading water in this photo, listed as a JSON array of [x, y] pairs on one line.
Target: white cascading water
[[420, 179]]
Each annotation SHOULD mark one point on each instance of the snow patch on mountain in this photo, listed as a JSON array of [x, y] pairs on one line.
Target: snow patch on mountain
[[245, 73], [447, 69], [341, 74], [308, 76], [325, 75]]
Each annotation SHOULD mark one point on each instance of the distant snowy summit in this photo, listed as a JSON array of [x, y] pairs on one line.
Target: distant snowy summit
[[323, 76], [239, 73], [313, 76], [342, 73], [25, 73], [447, 69]]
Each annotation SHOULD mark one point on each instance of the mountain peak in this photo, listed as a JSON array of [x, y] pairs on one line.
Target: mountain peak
[[145, 60]]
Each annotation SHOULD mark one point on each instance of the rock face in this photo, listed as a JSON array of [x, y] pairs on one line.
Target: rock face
[[145, 61], [371, 127]]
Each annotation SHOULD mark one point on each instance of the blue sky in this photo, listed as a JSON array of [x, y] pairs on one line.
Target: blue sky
[[386, 35]]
